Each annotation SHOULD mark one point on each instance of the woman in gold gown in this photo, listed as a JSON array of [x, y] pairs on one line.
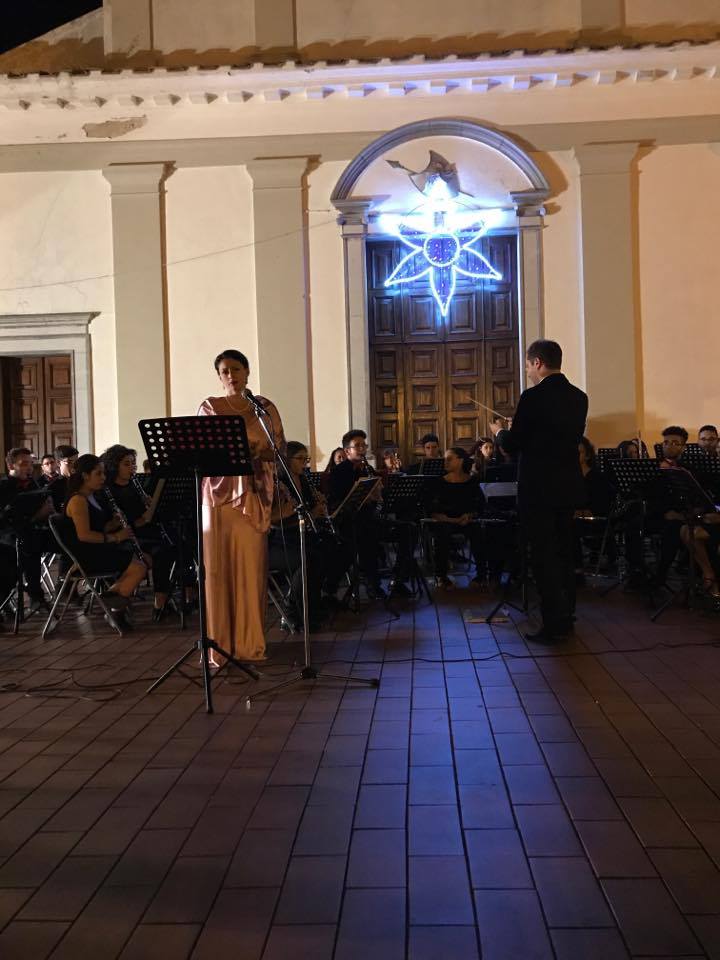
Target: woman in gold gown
[[236, 519]]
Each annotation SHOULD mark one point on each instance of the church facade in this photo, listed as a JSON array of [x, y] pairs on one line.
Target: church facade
[[380, 207]]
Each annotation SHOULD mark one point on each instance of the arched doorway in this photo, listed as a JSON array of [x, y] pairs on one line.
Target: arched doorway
[[417, 362]]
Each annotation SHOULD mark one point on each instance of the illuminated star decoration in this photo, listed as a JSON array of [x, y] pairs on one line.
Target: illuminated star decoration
[[440, 241]]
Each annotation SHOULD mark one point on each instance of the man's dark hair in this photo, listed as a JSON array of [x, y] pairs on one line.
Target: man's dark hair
[[65, 451], [547, 351], [709, 427], [12, 455], [497, 418], [429, 438], [353, 435], [48, 456], [231, 355], [676, 432]]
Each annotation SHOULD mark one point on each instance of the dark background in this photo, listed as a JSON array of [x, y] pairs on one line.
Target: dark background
[[22, 20]]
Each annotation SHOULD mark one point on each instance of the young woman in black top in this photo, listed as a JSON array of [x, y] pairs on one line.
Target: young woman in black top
[[99, 543], [120, 467], [454, 501]]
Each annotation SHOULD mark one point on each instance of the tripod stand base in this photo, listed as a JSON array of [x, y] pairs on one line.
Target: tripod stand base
[[309, 672]]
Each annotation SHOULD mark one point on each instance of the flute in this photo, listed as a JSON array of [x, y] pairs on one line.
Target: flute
[[125, 523]]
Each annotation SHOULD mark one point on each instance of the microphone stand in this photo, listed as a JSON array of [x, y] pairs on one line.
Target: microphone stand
[[308, 671]]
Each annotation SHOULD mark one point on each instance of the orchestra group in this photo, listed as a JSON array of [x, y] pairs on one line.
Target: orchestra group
[[530, 499]]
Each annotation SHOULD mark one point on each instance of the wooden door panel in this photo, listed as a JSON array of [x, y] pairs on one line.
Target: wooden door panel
[[38, 402], [421, 318], [501, 375], [461, 322], [387, 324], [424, 378], [387, 397]]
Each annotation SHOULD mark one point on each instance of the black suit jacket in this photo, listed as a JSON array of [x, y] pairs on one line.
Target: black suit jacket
[[546, 430]]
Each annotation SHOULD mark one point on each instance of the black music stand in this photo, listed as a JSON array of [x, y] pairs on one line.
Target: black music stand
[[176, 507], [429, 467], [199, 447], [346, 512], [404, 493]]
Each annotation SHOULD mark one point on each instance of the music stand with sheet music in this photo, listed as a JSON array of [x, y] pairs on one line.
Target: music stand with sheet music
[[199, 447], [429, 467]]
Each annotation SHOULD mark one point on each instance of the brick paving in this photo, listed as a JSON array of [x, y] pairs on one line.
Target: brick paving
[[487, 800]]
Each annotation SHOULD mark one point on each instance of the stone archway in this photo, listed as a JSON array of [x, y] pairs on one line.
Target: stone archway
[[356, 212]]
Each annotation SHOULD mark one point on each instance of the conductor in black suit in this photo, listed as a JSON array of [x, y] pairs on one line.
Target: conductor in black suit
[[546, 430]]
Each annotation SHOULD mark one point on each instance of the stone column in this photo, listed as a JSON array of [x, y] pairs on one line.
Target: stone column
[[530, 220], [284, 372], [137, 195], [608, 289], [354, 223]]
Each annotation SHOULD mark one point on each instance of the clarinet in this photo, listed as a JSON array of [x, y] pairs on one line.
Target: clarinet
[[147, 500], [124, 522]]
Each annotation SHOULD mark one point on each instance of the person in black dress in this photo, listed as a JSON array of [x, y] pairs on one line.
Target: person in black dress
[[120, 464], [546, 430], [454, 500], [100, 543]]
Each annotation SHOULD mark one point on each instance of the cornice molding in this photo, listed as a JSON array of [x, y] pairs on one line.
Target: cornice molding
[[416, 76]]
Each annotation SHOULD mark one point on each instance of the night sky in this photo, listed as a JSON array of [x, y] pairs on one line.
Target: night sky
[[22, 20]]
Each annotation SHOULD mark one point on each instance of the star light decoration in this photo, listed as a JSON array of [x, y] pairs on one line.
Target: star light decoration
[[439, 234]]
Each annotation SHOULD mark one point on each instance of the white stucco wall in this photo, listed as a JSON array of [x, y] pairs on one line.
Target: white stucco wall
[[680, 286], [56, 257], [211, 278]]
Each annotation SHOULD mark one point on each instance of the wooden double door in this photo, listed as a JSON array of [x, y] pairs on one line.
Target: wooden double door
[[38, 402], [429, 372]]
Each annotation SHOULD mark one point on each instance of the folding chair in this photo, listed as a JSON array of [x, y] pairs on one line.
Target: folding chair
[[61, 530]]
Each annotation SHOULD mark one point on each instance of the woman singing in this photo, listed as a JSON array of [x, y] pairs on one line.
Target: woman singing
[[236, 519]]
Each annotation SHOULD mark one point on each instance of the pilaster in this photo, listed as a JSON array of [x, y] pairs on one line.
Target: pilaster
[[137, 196], [353, 221], [608, 289], [284, 371]]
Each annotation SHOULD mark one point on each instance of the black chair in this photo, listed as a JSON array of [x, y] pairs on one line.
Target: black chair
[[63, 531]]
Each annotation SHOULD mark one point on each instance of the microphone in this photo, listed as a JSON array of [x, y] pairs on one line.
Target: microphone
[[249, 395]]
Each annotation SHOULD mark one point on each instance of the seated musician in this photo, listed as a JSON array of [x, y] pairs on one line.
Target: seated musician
[[120, 467], [363, 528], [431, 451], [391, 464], [284, 551], [665, 511], [66, 458], [26, 508], [482, 454], [504, 465], [336, 457], [708, 440], [628, 450], [99, 544], [48, 470], [454, 500]]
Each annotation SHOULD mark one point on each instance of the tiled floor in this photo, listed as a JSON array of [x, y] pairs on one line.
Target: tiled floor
[[487, 800]]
